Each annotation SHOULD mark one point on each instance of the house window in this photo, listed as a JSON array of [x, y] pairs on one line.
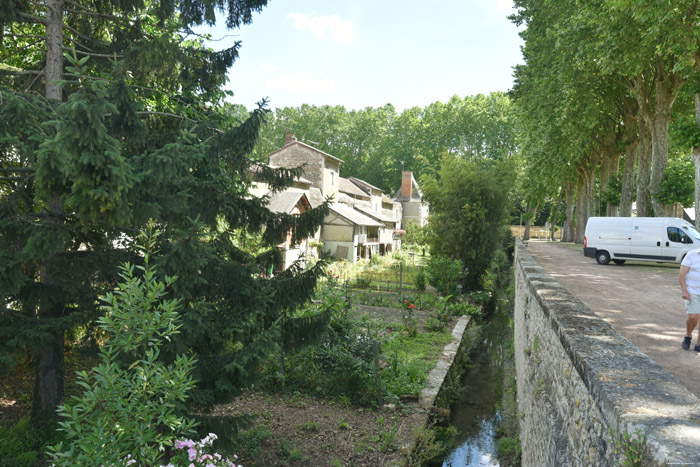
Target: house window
[[332, 179]]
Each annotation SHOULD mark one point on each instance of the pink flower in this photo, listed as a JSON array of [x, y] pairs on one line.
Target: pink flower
[[192, 454]]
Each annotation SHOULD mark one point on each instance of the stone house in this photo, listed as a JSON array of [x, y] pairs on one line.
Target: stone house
[[415, 209], [320, 168], [362, 222]]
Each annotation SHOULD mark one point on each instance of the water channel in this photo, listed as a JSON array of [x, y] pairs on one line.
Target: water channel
[[475, 414]]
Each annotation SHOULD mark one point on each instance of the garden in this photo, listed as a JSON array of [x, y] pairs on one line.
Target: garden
[[342, 387]]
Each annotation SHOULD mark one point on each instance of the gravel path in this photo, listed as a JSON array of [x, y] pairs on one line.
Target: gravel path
[[642, 301]]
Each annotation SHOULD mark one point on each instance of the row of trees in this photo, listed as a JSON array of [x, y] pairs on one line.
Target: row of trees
[[112, 114], [376, 143], [601, 84]]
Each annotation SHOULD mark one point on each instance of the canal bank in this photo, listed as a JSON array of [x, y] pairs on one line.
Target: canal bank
[[484, 413]]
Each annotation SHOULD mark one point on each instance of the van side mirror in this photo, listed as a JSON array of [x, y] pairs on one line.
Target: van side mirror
[[686, 240]]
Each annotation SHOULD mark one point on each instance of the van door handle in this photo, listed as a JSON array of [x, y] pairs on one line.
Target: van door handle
[[666, 243], [658, 243]]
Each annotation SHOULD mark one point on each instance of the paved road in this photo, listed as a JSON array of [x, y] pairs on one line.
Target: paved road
[[642, 301]]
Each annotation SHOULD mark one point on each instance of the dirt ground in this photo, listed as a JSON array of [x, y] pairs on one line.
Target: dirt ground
[[641, 300]]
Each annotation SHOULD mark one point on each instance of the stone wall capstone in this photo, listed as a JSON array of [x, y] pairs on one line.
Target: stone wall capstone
[[585, 393]]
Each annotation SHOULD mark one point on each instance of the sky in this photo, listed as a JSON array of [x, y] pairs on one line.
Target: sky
[[368, 53]]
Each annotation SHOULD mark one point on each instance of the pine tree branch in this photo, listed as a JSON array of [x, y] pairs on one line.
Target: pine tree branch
[[82, 10], [16, 179], [25, 36], [19, 73], [36, 19], [16, 170], [166, 114], [75, 31], [91, 54]]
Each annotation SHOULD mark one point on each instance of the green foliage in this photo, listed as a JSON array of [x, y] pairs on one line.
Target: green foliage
[[23, 444], [468, 209], [130, 402], [630, 448], [416, 235], [430, 444], [678, 183], [444, 273], [509, 450], [611, 193], [419, 281], [687, 132], [374, 142], [138, 132], [250, 441]]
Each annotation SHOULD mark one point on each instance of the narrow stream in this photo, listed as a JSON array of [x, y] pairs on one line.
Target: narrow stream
[[475, 414]]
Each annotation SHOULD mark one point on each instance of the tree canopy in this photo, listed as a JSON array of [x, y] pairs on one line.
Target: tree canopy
[[112, 115]]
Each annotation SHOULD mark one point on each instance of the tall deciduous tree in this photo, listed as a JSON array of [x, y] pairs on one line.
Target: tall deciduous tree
[[468, 211], [109, 117]]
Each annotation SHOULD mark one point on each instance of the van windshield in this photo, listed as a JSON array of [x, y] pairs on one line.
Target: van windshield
[[692, 232]]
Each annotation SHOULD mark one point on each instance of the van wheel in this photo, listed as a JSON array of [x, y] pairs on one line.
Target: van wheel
[[602, 257], [619, 261]]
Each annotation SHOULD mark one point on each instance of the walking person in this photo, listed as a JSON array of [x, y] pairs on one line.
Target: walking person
[[689, 279]]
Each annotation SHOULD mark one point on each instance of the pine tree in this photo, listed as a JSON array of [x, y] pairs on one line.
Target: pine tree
[[111, 115]]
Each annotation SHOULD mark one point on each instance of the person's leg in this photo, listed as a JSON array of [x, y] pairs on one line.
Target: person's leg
[[691, 323], [692, 308]]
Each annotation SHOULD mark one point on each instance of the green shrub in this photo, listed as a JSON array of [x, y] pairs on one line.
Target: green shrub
[[363, 282], [130, 401], [21, 444], [444, 274], [419, 281], [403, 377]]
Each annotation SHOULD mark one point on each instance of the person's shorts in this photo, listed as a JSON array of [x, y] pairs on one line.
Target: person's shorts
[[692, 306]]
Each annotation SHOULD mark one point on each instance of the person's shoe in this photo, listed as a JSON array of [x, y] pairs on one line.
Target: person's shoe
[[697, 348], [686, 343]]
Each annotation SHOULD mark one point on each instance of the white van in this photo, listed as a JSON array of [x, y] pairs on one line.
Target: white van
[[660, 239]]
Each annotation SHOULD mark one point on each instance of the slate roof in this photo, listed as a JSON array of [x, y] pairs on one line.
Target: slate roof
[[346, 186], [374, 214], [285, 201], [310, 147], [362, 183], [354, 216]]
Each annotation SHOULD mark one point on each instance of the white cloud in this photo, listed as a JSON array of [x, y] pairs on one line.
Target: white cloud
[[341, 30], [269, 67], [302, 82]]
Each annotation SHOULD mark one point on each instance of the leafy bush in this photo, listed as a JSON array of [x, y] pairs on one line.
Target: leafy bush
[[363, 282], [419, 281], [444, 273], [21, 444], [404, 377], [341, 364], [128, 409]]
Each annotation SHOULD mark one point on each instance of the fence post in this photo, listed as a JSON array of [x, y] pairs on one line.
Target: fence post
[[401, 277]]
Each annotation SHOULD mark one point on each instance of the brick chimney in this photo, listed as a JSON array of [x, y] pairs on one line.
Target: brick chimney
[[289, 139], [406, 184]]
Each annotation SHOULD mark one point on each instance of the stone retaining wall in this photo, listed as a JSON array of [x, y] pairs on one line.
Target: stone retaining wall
[[583, 388]]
